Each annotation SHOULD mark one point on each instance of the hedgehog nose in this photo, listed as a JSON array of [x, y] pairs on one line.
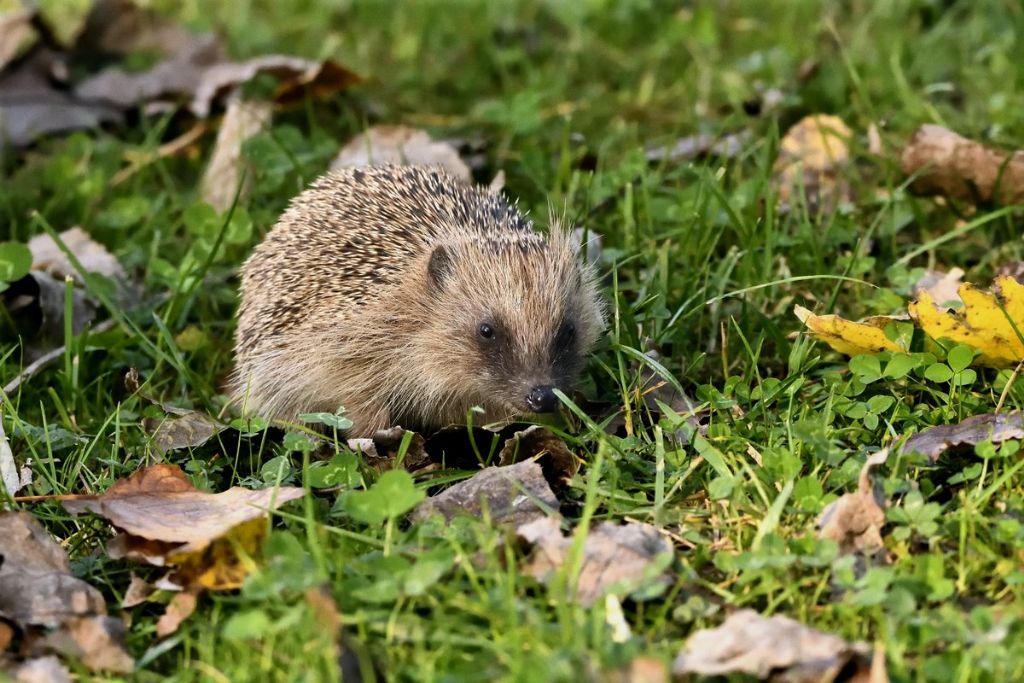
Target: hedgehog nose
[[542, 399]]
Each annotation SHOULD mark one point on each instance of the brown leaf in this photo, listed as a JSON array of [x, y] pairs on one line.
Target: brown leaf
[[93, 256], [400, 145], [855, 520], [812, 157], [36, 585], [178, 610], [190, 429], [514, 494], [539, 443], [942, 287], [41, 670], [160, 504], [995, 427], [948, 164], [31, 105], [614, 557], [138, 592], [6, 636], [96, 641], [242, 120], [15, 32], [776, 648], [383, 448], [12, 478]]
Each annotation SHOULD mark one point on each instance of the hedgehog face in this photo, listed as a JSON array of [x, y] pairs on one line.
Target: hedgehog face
[[512, 321]]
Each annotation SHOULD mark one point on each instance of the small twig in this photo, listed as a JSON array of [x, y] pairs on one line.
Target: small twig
[[47, 358], [1006, 389], [51, 496], [171, 148]]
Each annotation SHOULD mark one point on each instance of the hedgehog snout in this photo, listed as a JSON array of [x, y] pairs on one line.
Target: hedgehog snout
[[542, 399]]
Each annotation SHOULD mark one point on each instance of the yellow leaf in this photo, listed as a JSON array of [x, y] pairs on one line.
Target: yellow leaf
[[849, 337], [982, 323]]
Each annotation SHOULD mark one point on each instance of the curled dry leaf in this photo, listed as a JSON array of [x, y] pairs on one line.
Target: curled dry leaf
[[226, 170], [12, 478], [615, 558], [994, 427], [178, 610], [942, 287], [536, 442], [166, 520], [849, 337], [776, 648], [986, 323], [812, 158], [138, 592], [15, 32], [514, 494], [383, 448], [400, 145], [953, 166], [855, 520]]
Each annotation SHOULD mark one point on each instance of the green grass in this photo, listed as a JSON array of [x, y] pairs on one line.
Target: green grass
[[698, 264]]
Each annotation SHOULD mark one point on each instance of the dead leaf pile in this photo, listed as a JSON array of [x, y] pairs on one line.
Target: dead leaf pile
[[55, 612], [855, 520], [777, 649], [37, 96], [205, 539], [615, 558]]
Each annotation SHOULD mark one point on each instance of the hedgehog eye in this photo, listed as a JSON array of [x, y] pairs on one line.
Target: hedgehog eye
[[567, 332], [486, 331]]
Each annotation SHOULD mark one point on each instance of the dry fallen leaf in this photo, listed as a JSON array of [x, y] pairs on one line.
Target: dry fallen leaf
[[776, 648], [36, 585], [138, 592], [639, 670], [187, 429], [37, 589], [383, 447], [994, 427], [120, 27], [855, 520], [12, 478], [989, 324], [49, 258], [812, 157], [536, 442], [849, 337], [15, 31], [941, 287], [514, 494], [226, 170], [40, 670], [31, 106], [96, 641], [400, 145], [178, 610], [615, 558], [166, 520], [953, 166]]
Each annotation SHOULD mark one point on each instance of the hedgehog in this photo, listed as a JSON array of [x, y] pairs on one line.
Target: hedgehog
[[406, 297]]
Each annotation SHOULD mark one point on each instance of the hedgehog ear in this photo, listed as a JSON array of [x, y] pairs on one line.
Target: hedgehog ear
[[441, 265]]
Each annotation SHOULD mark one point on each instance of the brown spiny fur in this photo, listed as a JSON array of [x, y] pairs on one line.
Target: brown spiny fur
[[370, 293]]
